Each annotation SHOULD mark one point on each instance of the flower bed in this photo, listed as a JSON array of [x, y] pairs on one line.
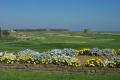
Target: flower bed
[[63, 57]]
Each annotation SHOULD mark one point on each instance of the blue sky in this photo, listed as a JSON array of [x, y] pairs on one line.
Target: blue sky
[[100, 15]]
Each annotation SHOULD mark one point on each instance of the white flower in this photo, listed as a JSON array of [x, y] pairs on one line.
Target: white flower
[[9, 55], [1, 54]]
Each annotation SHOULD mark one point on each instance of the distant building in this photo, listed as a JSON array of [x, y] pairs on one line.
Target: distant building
[[12, 30]]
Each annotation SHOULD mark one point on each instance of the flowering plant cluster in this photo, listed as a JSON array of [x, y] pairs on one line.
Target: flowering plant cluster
[[113, 63], [118, 51], [95, 62], [27, 59], [83, 51], [8, 58], [64, 57], [97, 51]]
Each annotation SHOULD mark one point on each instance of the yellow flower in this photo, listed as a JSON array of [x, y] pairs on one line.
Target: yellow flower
[[92, 65], [12, 62], [34, 63]]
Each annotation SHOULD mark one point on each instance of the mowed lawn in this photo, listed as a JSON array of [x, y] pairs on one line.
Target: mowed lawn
[[41, 41], [22, 75]]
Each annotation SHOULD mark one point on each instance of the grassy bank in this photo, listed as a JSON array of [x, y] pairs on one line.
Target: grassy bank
[[14, 75]]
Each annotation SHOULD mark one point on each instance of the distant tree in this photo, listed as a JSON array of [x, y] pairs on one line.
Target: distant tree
[[6, 33], [87, 30]]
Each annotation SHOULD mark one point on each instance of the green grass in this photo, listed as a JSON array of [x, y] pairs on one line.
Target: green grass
[[49, 40], [22, 75]]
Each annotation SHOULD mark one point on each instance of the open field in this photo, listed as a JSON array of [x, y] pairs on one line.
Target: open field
[[41, 41], [8, 75]]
